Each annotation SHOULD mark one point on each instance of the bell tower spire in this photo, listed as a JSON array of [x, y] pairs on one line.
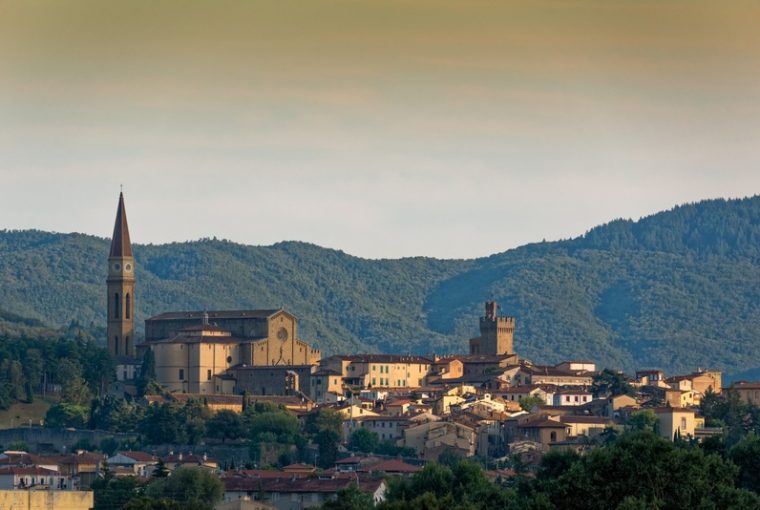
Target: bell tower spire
[[121, 288]]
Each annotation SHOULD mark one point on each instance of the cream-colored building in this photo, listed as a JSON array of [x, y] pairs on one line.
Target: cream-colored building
[[380, 370], [676, 419], [326, 385], [432, 438], [195, 350], [46, 500]]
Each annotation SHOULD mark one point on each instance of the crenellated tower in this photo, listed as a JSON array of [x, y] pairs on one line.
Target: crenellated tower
[[496, 333], [121, 288]]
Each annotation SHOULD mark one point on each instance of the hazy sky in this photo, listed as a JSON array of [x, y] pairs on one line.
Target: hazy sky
[[382, 128]]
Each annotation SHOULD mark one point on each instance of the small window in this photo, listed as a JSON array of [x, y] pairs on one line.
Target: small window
[[116, 306], [181, 374], [128, 303], [208, 375]]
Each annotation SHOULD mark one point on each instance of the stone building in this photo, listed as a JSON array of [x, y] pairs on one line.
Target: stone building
[[194, 355], [194, 351], [496, 333]]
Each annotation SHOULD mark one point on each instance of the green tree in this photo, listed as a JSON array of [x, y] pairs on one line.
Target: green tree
[[350, 498], [324, 418], [641, 466], [146, 503], [111, 492], [163, 424], [146, 382], [643, 420], [528, 403], [189, 486], [327, 442], [363, 440], [609, 382], [225, 425], [746, 455], [75, 391], [67, 415], [160, 470]]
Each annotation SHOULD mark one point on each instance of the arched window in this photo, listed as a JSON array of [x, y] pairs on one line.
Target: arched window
[[553, 437], [128, 303], [116, 344], [126, 345], [116, 305]]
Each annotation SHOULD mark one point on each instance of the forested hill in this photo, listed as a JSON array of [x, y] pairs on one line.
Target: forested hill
[[677, 290]]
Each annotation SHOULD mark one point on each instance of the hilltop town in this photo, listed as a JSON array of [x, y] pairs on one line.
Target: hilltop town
[[237, 401]]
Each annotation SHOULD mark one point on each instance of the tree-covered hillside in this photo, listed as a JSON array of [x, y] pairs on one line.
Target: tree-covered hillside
[[677, 290]]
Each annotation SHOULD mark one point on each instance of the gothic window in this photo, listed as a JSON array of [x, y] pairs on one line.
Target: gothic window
[[116, 305], [116, 344], [126, 345], [128, 303]]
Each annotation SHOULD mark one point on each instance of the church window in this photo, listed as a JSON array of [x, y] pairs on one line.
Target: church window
[[126, 345], [128, 304], [208, 375], [116, 306], [116, 344], [181, 374]]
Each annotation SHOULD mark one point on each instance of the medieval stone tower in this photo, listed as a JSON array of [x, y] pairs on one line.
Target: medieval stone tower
[[121, 288], [496, 333]]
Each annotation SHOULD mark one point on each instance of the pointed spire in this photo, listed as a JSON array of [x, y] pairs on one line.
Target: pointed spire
[[120, 243]]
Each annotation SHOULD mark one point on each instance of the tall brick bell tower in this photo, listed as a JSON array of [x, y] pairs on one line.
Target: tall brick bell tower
[[121, 288]]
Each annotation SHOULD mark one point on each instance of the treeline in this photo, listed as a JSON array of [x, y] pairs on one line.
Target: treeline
[[636, 471], [72, 366], [677, 290]]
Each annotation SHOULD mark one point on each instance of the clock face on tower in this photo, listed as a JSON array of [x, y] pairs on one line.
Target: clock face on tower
[[282, 334], [128, 267], [116, 266]]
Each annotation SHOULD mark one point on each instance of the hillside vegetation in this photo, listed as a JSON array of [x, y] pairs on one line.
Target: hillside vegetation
[[677, 290]]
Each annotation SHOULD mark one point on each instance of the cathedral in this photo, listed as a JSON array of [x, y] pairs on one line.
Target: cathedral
[[199, 351]]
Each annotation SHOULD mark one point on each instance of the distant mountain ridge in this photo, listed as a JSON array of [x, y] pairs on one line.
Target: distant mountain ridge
[[678, 290]]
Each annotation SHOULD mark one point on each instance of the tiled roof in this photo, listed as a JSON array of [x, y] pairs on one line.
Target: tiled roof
[[385, 358], [391, 466], [139, 456], [34, 471]]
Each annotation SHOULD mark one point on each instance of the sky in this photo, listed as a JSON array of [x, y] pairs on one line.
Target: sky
[[452, 129]]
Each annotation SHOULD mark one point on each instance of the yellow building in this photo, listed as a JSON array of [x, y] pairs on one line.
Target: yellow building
[[676, 419], [46, 500], [380, 370], [188, 361], [194, 351], [432, 438]]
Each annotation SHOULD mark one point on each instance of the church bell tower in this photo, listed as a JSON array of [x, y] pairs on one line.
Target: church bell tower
[[121, 288]]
